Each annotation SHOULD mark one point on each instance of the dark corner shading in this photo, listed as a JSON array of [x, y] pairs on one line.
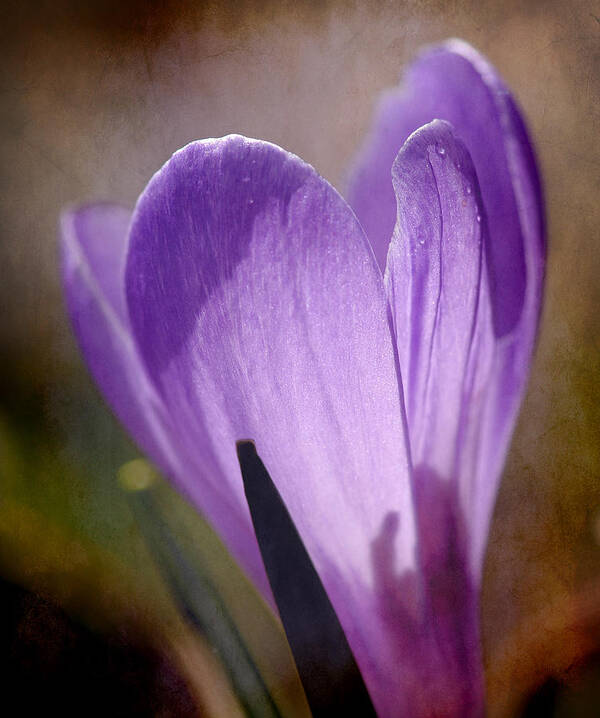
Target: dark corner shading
[[54, 665]]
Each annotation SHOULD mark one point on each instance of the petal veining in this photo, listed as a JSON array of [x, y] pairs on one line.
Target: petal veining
[[433, 278], [94, 243], [437, 288], [94, 240], [260, 313], [454, 82]]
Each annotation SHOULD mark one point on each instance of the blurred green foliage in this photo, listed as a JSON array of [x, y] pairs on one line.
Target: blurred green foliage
[[67, 529]]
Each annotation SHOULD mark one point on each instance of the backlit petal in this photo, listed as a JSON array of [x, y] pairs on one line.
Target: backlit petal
[[94, 240], [94, 244], [261, 314], [437, 287], [454, 83]]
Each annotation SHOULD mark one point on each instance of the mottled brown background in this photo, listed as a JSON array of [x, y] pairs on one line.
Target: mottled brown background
[[96, 96]]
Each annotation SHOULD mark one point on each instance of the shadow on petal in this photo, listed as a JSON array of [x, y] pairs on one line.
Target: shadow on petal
[[433, 631]]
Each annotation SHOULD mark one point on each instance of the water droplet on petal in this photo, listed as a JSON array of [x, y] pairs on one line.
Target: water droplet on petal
[[441, 150], [478, 218], [469, 189], [421, 240]]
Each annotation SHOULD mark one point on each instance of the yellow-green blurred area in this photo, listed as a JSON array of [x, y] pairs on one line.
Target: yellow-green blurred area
[[94, 98]]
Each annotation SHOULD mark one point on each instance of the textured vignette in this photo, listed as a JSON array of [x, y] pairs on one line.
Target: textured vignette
[[75, 84]]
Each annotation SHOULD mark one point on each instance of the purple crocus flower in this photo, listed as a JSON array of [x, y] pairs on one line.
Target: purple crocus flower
[[375, 349]]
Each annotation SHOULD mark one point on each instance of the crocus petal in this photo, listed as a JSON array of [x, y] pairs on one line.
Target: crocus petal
[[433, 276], [94, 247], [435, 279], [454, 83], [261, 314], [93, 260]]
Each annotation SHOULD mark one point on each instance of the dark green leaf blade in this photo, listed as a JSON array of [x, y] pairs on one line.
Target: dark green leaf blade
[[327, 668], [201, 604]]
